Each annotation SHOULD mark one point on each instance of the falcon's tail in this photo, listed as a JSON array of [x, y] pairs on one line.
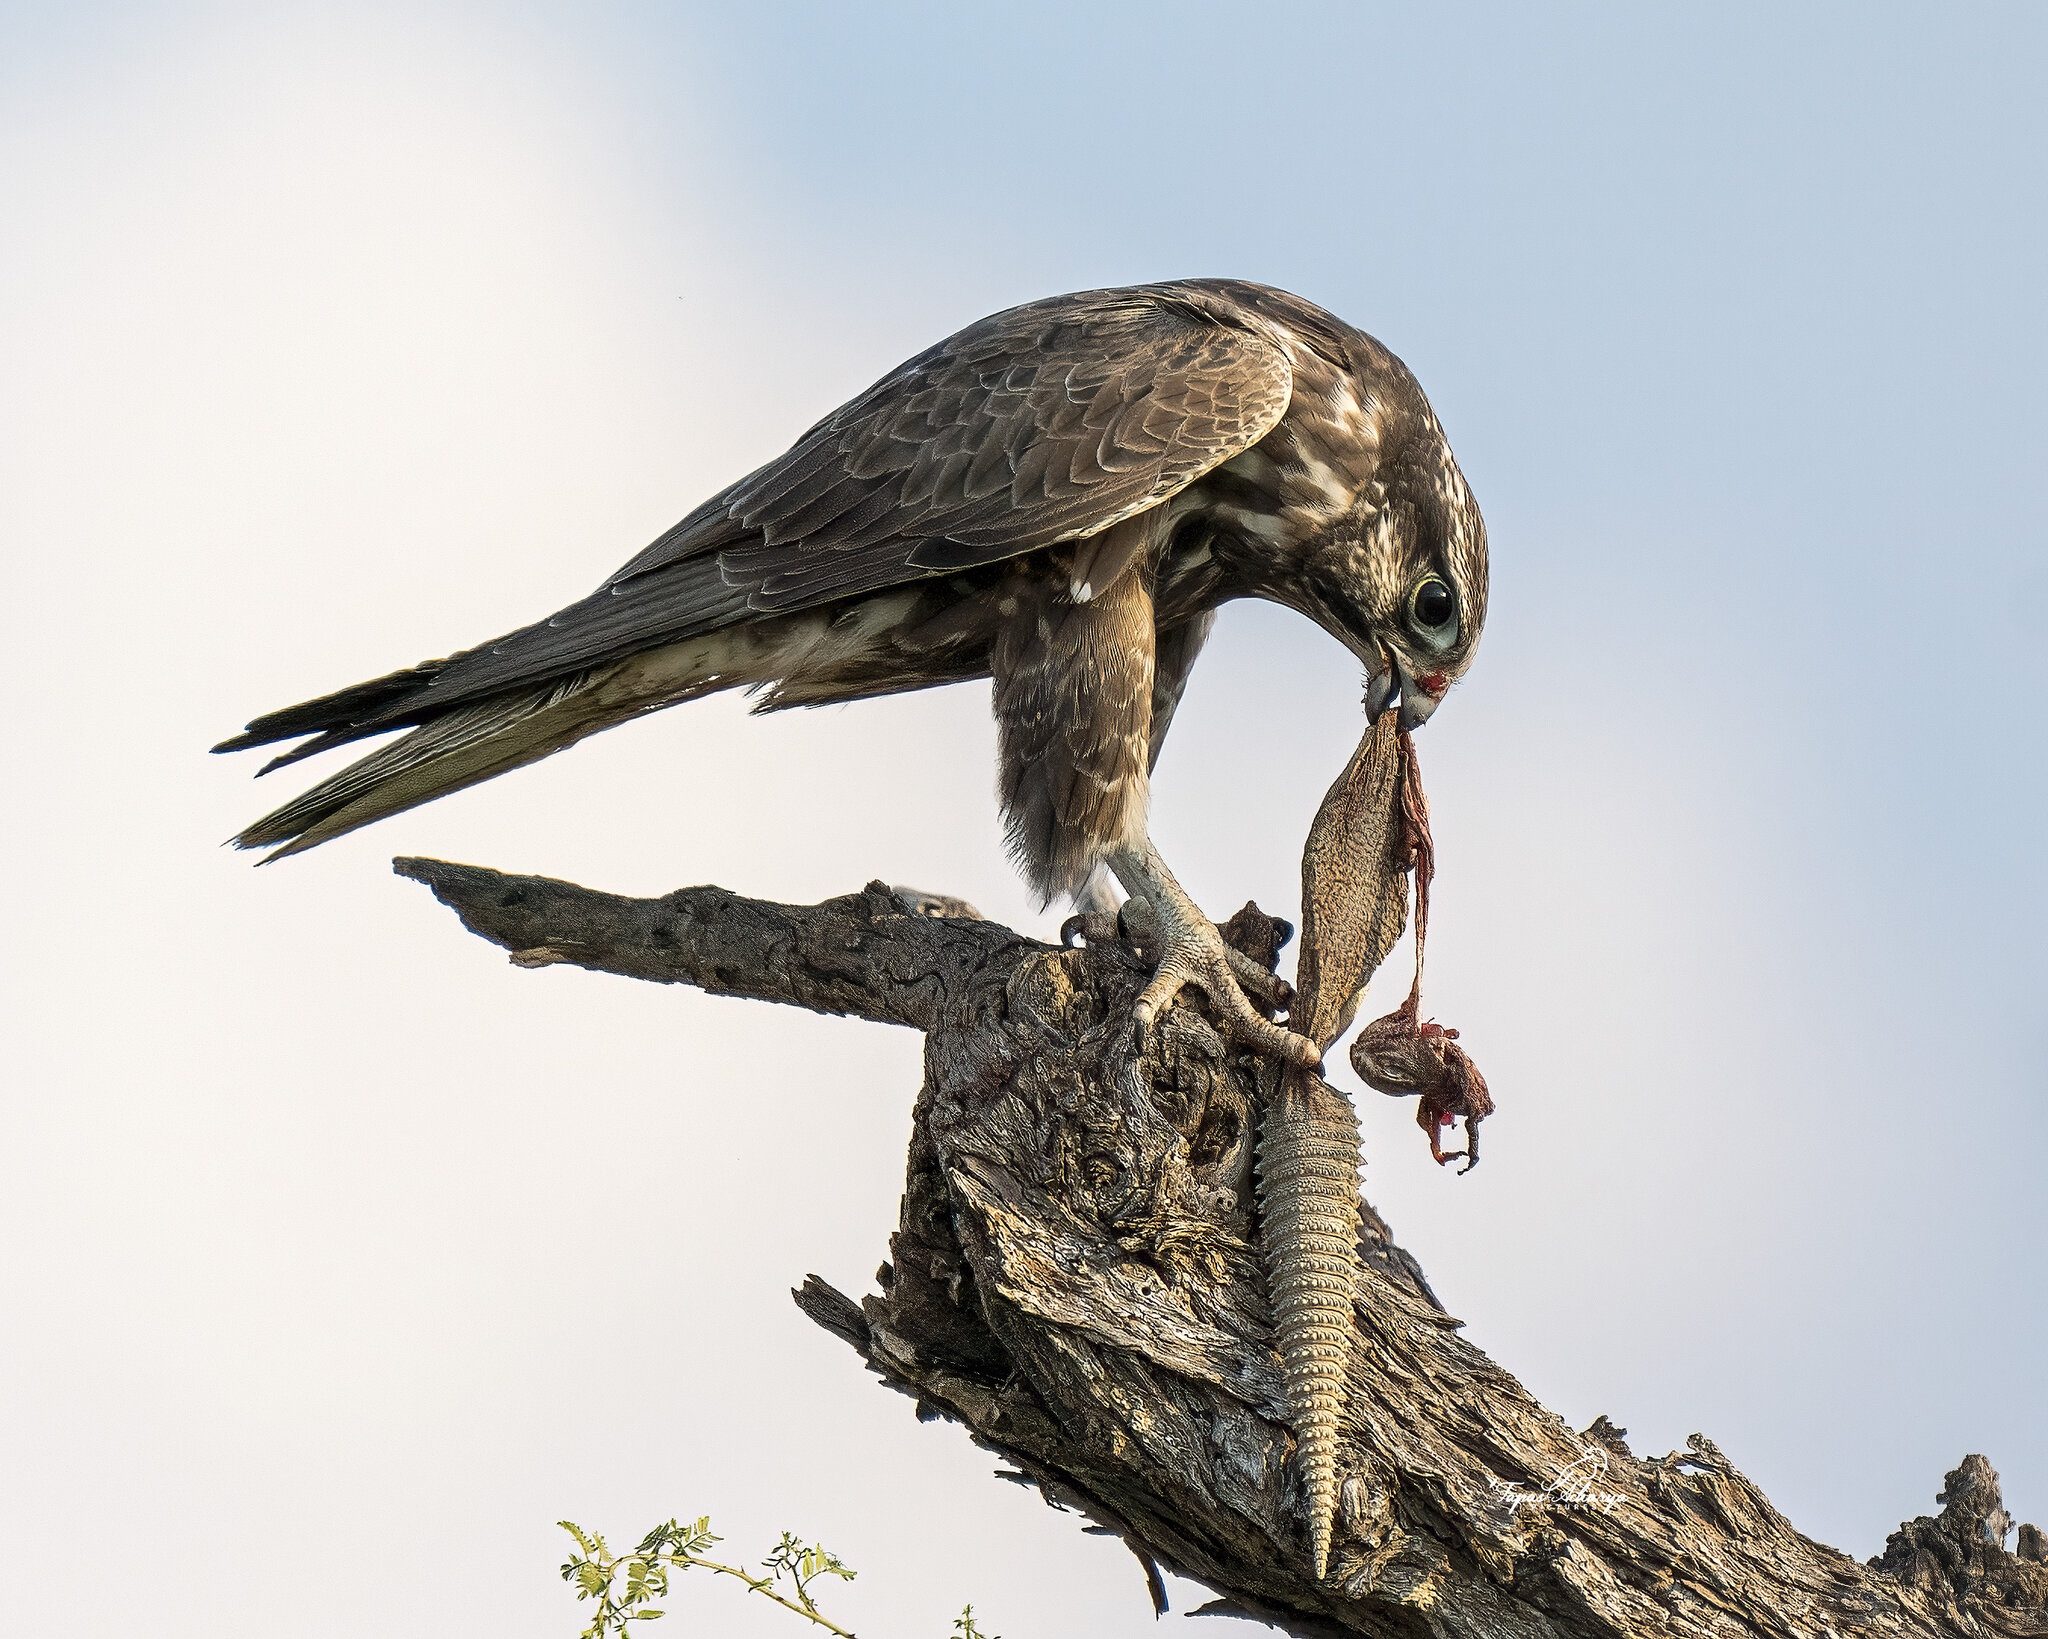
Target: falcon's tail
[[460, 748]]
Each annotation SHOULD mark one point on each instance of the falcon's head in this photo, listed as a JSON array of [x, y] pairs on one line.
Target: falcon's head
[[1401, 579]]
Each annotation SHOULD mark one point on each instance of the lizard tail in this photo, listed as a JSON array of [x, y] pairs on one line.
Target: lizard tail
[[1308, 1215]]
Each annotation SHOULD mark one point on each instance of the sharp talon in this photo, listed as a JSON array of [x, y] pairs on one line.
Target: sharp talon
[[1297, 1049], [1071, 930], [1143, 1032], [1283, 931]]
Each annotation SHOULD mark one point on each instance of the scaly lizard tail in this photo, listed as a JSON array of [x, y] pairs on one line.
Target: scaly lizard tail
[[1308, 1230]]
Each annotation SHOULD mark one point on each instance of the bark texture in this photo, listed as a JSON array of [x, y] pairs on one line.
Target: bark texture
[[1074, 1279]]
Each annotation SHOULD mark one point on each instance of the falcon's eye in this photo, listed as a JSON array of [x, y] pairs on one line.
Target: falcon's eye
[[1433, 607]]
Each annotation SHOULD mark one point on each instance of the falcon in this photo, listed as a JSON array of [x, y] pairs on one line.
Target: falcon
[[1057, 498]]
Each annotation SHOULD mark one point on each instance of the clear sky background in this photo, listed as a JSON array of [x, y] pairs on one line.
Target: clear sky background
[[338, 1259]]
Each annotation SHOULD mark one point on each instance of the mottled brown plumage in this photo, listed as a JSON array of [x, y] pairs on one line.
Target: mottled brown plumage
[[1058, 497], [1073, 704]]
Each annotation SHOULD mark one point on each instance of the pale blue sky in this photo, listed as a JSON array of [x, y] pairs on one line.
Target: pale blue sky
[[341, 336]]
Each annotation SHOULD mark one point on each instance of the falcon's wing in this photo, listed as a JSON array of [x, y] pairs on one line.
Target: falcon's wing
[[1036, 426], [1039, 425]]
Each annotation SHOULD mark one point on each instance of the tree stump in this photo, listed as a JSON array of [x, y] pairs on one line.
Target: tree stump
[[1074, 1278]]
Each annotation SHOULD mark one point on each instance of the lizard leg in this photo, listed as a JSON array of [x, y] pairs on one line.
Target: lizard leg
[[1189, 951]]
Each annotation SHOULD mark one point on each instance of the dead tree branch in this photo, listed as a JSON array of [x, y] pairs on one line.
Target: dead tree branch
[[1073, 1278]]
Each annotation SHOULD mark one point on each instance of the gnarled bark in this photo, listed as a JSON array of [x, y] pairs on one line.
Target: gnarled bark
[[1073, 1277]]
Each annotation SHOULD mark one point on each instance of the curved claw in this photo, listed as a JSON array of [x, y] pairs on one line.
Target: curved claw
[[1092, 928]]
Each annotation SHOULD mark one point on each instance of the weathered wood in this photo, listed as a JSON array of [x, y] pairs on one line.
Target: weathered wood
[[1073, 1278]]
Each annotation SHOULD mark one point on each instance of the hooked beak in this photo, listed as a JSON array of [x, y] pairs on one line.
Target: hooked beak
[[1418, 695]]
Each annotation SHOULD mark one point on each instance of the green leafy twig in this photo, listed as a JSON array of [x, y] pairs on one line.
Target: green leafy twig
[[625, 1584], [964, 1628]]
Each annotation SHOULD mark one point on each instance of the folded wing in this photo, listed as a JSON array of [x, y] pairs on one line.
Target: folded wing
[[1039, 425]]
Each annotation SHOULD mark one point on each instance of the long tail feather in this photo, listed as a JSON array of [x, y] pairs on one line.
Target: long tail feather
[[445, 755], [347, 714]]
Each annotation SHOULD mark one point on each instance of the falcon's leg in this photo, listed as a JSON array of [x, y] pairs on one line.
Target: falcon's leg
[[1098, 907], [1189, 951], [1074, 698]]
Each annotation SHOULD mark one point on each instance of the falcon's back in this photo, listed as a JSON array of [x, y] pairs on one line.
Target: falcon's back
[[1029, 431]]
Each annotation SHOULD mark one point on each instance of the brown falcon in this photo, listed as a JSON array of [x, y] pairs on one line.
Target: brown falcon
[[1058, 497]]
